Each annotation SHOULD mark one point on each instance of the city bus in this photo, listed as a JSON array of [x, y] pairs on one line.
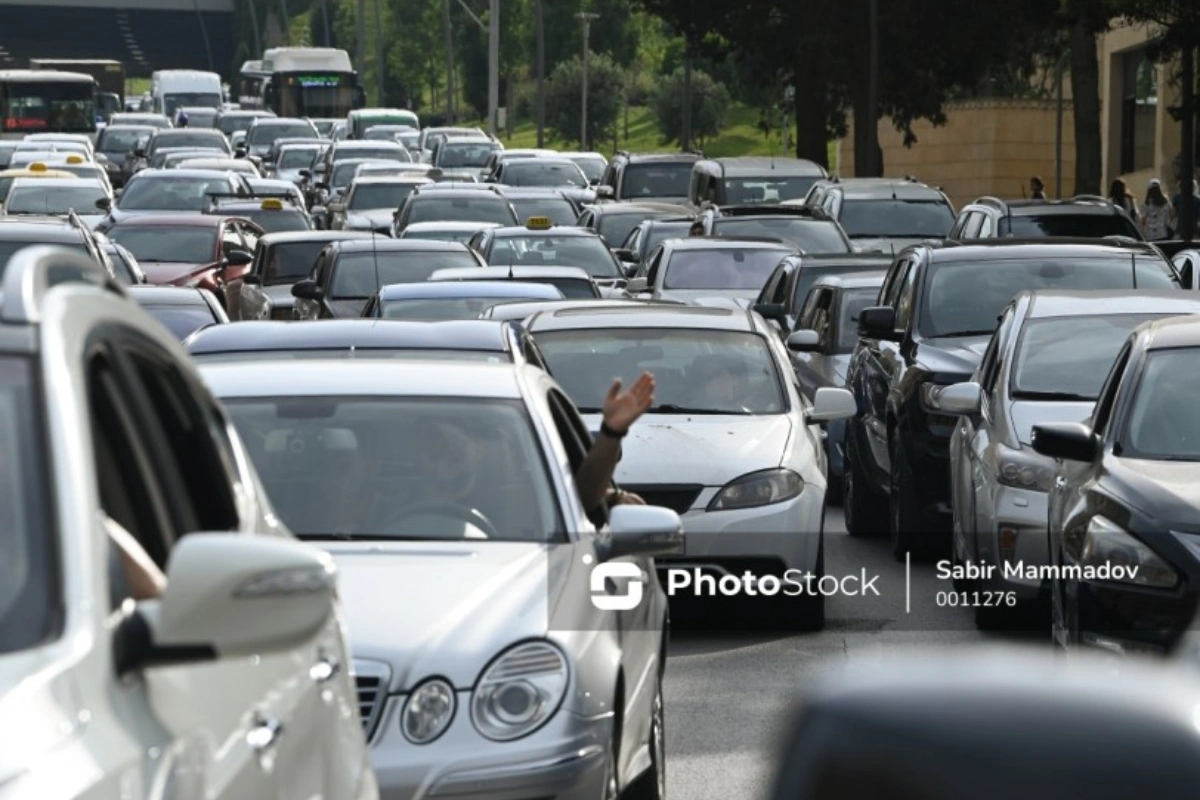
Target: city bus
[[46, 101], [308, 82], [109, 75]]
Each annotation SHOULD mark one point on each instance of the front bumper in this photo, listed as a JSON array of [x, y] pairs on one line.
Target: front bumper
[[787, 533], [1013, 540], [564, 760]]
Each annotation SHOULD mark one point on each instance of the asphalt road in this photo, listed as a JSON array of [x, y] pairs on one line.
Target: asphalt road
[[730, 691]]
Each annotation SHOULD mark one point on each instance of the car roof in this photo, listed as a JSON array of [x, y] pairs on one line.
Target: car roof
[[724, 243], [1037, 248], [658, 157], [22, 228], [859, 280], [844, 260], [289, 237], [351, 378], [1181, 331], [533, 192], [888, 189], [168, 295], [554, 160], [156, 174], [604, 209], [402, 180], [384, 244], [1081, 303], [763, 166], [472, 138], [441, 192], [367, 334], [175, 219], [450, 226], [179, 133], [480, 289], [522, 310], [556, 230], [25, 172], [74, 181], [1067, 206], [368, 144], [642, 316], [501, 273]]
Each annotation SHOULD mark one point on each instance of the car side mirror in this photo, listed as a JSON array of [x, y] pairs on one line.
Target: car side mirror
[[104, 204], [305, 173], [804, 341], [239, 152], [775, 311], [956, 400], [644, 531], [335, 208], [636, 285], [630, 270], [878, 322], [605, 193], [139, 152], [322, 185], [307, 290], [238, 258], [624, 254], [215, 582], [1070, 441], [831, 404], [252, 280]]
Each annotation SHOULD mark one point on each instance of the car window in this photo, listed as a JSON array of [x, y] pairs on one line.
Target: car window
[[809, 235], [231, 239], [896, 218], [721, 269], [987, 228], [360, 275], [1159, 427], [1112, 384], [1085, 226], [853, 301], [906, 299], [587, 252]]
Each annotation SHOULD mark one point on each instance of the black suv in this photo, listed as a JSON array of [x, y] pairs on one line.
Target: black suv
[[810, 229], [937, 310], [1082, 217], [662, 177], [884, 214]]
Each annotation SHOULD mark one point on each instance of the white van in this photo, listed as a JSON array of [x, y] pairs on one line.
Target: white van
[[170, 89]]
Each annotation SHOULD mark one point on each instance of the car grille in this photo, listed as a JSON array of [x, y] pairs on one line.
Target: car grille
[[371, 681], [677, 497]]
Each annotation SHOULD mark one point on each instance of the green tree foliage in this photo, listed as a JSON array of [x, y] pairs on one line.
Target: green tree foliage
[[564, 101], [710, 101]]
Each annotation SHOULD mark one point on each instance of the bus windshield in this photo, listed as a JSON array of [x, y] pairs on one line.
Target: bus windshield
[[59, 106], [312, 95]]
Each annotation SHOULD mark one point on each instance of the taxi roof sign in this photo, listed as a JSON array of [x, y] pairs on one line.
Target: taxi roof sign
[[272, 204], [37, 166], [539, 223], [74, 159]]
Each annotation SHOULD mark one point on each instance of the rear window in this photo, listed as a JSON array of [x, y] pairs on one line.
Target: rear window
[[656, 180], [1082, 226], [810, 235], [560, 211], [460, 209], [721, 270]]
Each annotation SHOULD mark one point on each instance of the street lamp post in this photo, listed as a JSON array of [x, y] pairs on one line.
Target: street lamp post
[[493, 64], [587, 29]]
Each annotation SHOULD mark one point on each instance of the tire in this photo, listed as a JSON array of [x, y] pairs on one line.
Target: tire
[[652, 784], [805, 613], [861, 504], [905, 516]]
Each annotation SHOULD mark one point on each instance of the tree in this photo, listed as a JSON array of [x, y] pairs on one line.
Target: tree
[[564, 98], [710, 101]]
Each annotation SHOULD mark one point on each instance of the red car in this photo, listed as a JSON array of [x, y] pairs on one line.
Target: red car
[[189, 249]]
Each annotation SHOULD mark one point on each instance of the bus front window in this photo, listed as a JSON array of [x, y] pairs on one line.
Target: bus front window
[[48, 106]]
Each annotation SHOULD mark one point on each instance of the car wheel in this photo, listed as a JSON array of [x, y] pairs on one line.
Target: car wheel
[[806, 612], [902, 503], [960, 584], [652, 784], [861, 505]]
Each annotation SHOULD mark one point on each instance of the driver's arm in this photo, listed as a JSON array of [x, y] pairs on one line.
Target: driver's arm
[[595, 474]]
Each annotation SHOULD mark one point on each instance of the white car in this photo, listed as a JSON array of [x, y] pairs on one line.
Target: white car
[[730, 443], [228, 680], [488, 665]]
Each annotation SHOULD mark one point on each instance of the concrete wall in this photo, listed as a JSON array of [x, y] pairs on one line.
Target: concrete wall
[[986, 147]]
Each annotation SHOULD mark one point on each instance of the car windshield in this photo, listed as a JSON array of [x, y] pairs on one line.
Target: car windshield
[[656, 180], [29, 583], [173, 102], [912, 219], [359, 275], [466, 155], [853, 302], [696, 371], [965, 298], [615, 228], [189, 244], [181, 321], [559, 210], [49, 198], [723, 269], [1081, 226], [586, 252], [123, 269], [366, 196], [289, 262], [812, 236], [369, 353], [592, 166], [441, 308], [117, 140], [460, 209], [259, 135], [1068, 358], [208, 140], [428, 468], [167, 193], [376, 154], [297, 157], [1161, 426], [748, 191], [278, 221], [535, 172]]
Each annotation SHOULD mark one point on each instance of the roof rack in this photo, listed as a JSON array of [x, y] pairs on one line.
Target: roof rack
[[215, 198], [768, 210], [1088, 198], [34, 271]]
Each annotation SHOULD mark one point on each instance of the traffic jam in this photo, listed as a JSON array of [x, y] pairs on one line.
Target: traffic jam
[[347, 457]]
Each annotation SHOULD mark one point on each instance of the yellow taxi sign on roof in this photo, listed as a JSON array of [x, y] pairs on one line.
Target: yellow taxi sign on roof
[[37, 166], [272, 204], [74, 159], [539, 223]]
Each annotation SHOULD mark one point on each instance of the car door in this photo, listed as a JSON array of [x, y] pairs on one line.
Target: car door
[[979, 435], [816, 315], [772, 293], [881, 364]]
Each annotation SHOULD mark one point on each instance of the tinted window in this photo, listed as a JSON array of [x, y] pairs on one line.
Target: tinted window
[[592, 166], [811, 236], [1085, 226], [442, 308], [1069, 358], [359, 275], [290, 262], [721, 269], [966, 298], [28, 576], [739, 191], [266, 134], [656, 180], [205, 139], [118, 140], [809, 275], [1162, 425], [586, 252], [170, 193], [278, 221], [853, 302], [51, 199], [186, 244], [460, 209], [615, 228], [535, 172], [379, 195], [391, 466], [182, 321], [466, 155], [696, 371], [560, 211], [297, 158], [896, 218]]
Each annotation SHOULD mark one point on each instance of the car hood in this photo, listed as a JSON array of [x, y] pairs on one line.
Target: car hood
[[442, 608], [1027, 413], [369, 220], [1167, 490], [702, 450], [161, 272], [952, 359], [693, 295]]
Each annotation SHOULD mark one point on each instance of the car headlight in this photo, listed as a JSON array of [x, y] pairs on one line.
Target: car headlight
[[758, 489], [1108, 544], [1021, 469], [521, 689], [428, 711]]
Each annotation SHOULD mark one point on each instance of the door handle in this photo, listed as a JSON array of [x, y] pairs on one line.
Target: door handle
[[265, 734]]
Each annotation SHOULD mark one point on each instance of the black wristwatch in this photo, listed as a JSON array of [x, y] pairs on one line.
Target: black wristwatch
[[612, 432]]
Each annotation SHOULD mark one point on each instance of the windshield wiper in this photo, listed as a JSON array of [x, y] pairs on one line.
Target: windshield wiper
[[671, 408], [359, 537], [959, 334], [1025, 395]]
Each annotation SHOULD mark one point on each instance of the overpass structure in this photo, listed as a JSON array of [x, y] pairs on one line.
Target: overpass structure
[[145, 35]]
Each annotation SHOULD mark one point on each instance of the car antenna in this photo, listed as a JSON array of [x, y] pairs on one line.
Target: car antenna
[[1133, 266], [375, 260]]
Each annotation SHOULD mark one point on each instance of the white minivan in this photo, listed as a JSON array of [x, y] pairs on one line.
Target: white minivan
[[172, 89]]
